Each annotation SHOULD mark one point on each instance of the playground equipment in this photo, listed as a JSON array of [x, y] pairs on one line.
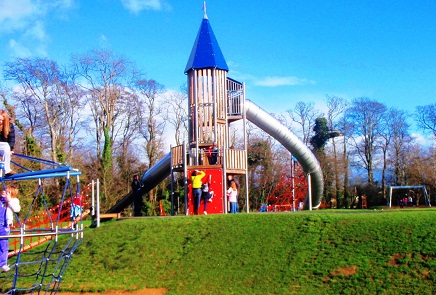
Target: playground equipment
[[33, 269], [215, 102], [290, 192], [295, 146]]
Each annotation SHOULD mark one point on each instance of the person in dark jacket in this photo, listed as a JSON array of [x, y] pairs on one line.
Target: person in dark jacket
[[138, 202]]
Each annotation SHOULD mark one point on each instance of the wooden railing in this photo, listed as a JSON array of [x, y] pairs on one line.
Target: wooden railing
[[177, 156], [234, 159]]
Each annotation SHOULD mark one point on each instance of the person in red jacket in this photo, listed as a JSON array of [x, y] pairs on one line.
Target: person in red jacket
[[212, 154]]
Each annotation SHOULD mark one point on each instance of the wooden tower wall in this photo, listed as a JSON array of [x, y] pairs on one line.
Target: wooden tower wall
[[207, 107]]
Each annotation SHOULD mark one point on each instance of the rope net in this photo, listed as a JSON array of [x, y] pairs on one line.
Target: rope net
[[42, 240], [291, 191]]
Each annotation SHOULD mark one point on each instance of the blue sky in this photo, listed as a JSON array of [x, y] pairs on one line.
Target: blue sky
[[285, 51]]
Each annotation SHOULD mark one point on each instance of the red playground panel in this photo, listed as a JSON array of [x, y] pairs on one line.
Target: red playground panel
[[216, 203]]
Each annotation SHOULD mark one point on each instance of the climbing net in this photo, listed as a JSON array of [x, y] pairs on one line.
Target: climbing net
[[42, 240], [290, 192]]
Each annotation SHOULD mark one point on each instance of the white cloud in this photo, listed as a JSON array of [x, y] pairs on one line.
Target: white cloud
[[422, 140], [32, 41], [19, 49], [137, 6], [36, 32], [241, 77], [25, 19], [16, 15], [274, 81]]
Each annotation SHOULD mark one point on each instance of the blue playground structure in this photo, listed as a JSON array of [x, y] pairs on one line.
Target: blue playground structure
[[33, 269]]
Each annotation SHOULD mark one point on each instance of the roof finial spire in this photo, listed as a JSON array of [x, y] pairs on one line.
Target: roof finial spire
[[204, 8]]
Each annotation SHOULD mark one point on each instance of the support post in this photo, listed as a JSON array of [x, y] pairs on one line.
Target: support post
[[98, 203], [185, 179], [309, 190], [390, 197]]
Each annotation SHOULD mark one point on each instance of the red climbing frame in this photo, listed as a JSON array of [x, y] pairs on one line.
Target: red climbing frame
[[282, 198]]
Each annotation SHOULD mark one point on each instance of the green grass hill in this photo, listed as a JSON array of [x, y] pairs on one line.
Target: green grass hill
[[318, 252]]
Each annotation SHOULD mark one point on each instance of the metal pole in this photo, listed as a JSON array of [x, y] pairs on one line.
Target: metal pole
[[309, 191], [195, 118], [293, 182], [224, 185], [172, 183], [185, 179], [98, 204], [390, 197], [92, 199], [244, 120]]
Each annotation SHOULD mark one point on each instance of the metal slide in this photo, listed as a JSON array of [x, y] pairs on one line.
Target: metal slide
[[150, 179], [267, 123], [292, 143]]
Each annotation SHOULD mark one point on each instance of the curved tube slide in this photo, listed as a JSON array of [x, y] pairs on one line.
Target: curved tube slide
[[292, 143]]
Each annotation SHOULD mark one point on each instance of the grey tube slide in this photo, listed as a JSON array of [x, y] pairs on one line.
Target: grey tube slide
[[292, 143], [150, 179]]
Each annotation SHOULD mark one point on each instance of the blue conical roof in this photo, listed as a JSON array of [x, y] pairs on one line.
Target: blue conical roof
[[206, 52]]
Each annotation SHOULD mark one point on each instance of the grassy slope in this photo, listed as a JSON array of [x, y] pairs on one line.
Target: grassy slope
[[324, 252]]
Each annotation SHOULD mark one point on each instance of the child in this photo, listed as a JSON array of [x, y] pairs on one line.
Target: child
[[6, 202], [14, 203], [232, 194], [76, 210], [207, 195]]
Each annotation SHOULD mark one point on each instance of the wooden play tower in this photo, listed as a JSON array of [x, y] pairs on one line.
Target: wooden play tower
[[214, 102]]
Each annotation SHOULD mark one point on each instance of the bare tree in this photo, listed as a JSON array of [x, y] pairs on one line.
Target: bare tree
[[394, 131], [49, 103], [344, 161], [125, 147], [365, 119], [401, 144], [150, 114], [106, 79], [425, 117], [336, 109], [177, 114], [421, 169], [304, 114], [151, 122]]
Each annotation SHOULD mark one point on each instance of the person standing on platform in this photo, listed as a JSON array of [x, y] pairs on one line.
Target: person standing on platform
[[212, 154], [196, 179], [7, 141]]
